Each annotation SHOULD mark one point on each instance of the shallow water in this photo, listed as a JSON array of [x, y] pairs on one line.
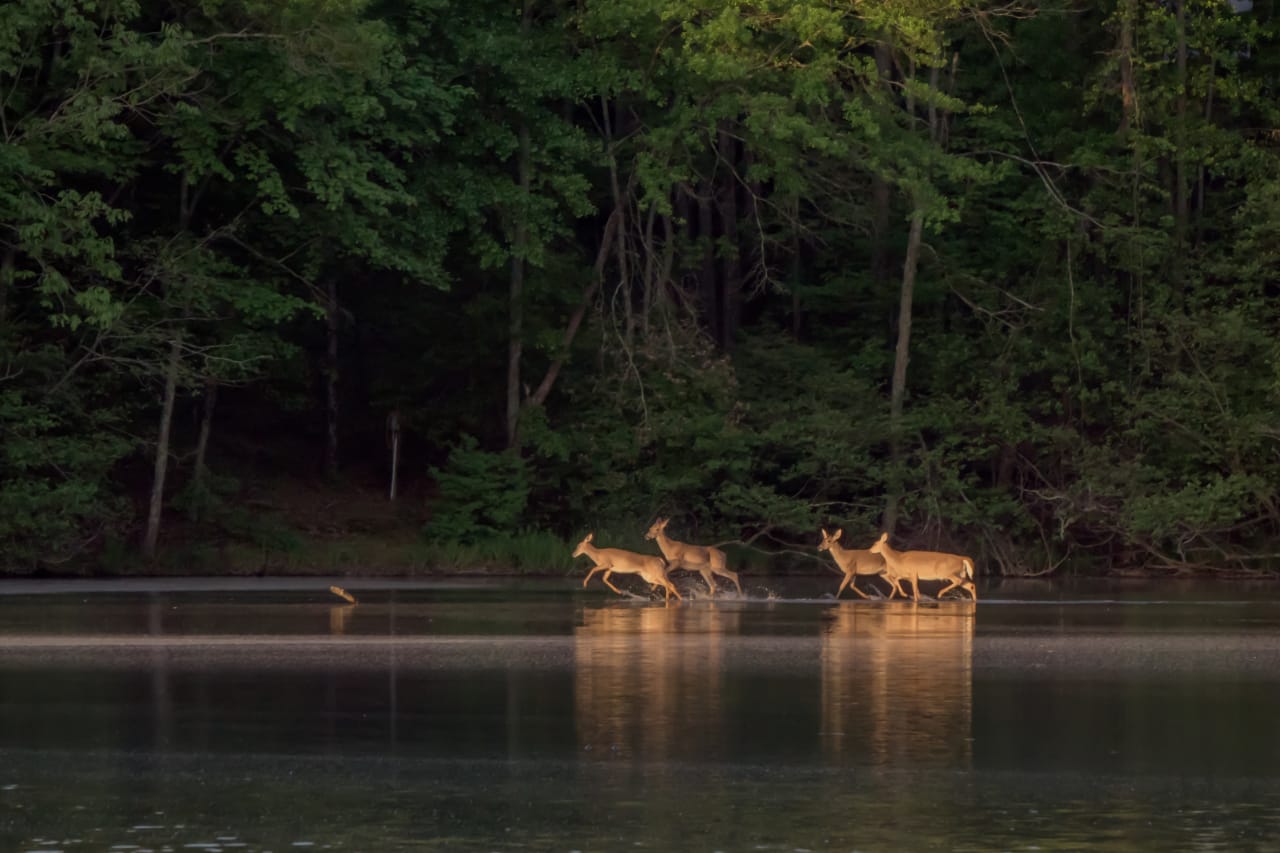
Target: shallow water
[[268, 715]]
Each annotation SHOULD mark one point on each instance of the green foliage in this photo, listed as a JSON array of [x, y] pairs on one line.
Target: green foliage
[[1093, 365], [260, 531], [55, 500], [532, 552], [482, 495]]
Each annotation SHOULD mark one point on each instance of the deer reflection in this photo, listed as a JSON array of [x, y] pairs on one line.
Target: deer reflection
[[648, 680], [897, 684]]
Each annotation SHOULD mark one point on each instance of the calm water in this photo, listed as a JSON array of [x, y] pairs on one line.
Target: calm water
[[269, 715]]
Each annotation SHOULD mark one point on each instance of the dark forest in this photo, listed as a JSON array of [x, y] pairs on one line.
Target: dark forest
[[994, 277]]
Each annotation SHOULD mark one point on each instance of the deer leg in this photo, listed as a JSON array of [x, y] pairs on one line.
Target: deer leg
[[733, 576], [955, 582], [718, 567], [895, 586], [611, 586], [853, 585], [915, 585], [591, 573], [706, 576], [663, 582], [672, 588]]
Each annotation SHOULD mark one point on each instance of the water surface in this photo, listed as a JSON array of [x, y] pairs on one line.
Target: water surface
[[269, 715]]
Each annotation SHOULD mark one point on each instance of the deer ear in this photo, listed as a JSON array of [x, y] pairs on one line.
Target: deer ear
[[825, 534], [589, 536], [839, 533], [884, 537]]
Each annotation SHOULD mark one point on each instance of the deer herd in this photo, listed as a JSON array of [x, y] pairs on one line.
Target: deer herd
[[878, 560]]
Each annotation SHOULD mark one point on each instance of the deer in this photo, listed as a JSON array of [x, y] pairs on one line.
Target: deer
[[927, 565], [703, 559], [854, 562], [650, 567]]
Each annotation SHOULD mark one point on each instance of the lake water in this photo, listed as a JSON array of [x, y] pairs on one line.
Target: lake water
[[504, 716]]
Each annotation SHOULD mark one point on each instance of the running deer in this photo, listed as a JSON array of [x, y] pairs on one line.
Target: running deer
[[854, 562], [703, 559], [610, 560], [927, 565]]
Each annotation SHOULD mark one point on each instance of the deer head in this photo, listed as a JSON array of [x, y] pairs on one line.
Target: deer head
[[582, 546], [878, 547], [829, 539], [657, 527]]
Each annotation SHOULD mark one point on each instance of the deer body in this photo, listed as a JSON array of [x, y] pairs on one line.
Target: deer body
[[610, 560], [854, 562], [703, 559], [927, 565]]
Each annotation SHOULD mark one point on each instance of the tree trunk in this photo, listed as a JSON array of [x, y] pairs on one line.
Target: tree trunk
[[332, 318], [393, 434], [710, 300], [206, 427], [6, 282], [881, 203], [1128, 89], [1181, 190], [884, 66], [1131, 118], [899, 388], [881, 197], [519, 248], [731, 286], [797, 307], [910, 96], [665, 279], [1200, 199], [650, 272], [621, 205], [932, 110], [152, 536], [597, 276], [945, 135], [515, 328]]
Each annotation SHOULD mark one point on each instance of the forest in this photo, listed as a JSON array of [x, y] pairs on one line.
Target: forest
[[995, 276]]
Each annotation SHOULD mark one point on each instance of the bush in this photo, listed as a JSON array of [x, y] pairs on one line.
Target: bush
[[55, 500], [482, 495]]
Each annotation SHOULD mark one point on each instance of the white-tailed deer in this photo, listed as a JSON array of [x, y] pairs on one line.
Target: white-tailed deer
[[609, 560], [854, 562], [927, 565], [703, 559]]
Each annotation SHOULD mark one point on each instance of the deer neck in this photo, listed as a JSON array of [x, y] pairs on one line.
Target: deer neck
[[840, 555], [892, 558], [667, 545]]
